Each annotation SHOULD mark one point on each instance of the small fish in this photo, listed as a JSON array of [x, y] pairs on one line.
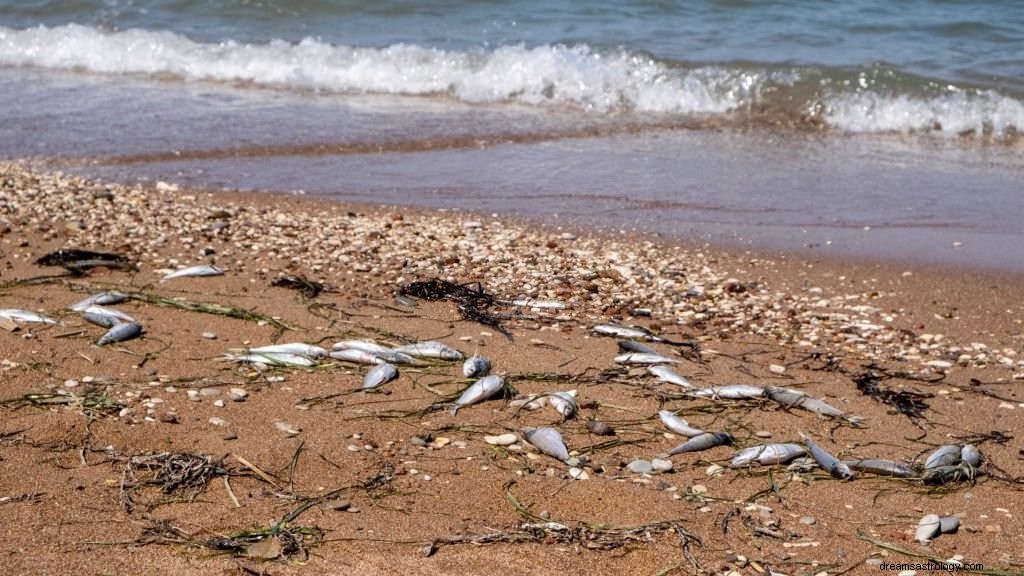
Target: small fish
[[481, 390], [828, 462], [638, 347], [26, 316], [120, 333], [531, 402], [379, 375], [767, 454], [642, 358], [666, 374], [789, 398], [476, 366], [271, 359], [704, 441], [564, 403], [365, 345], [635, 333], [548, 441], [299, 348], [948, 455], [881, 468], [729, 392], [357, 356], [97, 310], [430, 349], [100, 299], [101, 320], [677, 424], [200, 270]]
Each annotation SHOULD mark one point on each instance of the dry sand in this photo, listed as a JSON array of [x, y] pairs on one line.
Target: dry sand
[[113, 467]]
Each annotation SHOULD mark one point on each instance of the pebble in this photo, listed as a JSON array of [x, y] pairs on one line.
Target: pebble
[[640, 467], [418, 442], [209, 391], [219, 403], [578, 474], [287, 428], [209, 335], [808, 520], [777, 369], [714, 470], [763, 434], [217, 421], [661, 465], [502, 440], [238, 394]]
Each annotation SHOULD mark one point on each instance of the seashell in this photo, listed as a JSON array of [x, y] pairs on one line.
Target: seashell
[[767, 454], [666, 374], [927, 528], [678, 425], [703, 441], [201, 270], [476, 366], [969, 454], [481, 390], [599, 428], [947, 455], [120, 333], [548, 441], [381, 374], [949, 524]]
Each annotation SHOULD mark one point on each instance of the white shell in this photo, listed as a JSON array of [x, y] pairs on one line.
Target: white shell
[[548, 441], [927, 528]]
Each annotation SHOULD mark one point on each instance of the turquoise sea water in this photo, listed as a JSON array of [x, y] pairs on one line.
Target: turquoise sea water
[[865, 127]]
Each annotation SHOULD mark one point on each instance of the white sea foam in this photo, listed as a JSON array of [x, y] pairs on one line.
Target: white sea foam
[[548, 75]]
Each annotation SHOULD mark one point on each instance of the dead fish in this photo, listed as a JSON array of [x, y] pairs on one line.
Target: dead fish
[[476, 366], [970, 455], [826, 461], [548, 441], [101, 320], [677, 424], [97, 310], [100, 299], [200, 270], [120, 333], [379, 375], [481, 390], [948, 455], [366, 345], [430, 349], [881, 468], [644, 358], [26, 316], [729, 392], [271, 359], [357, 356], [950, 473], [789, 397], [638, 347], [635, 333], [564, 403], [531, 402], [703, 441], [667, 374], [767, 454], [300, 348]]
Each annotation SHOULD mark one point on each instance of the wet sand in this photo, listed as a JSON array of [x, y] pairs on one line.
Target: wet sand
[[306, 476]]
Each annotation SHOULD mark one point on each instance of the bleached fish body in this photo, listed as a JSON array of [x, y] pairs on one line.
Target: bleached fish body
[[357, 356], [481, 390], [271, 359], [200, 270], [548, 441], [969, 454], [97, 310], [542, 304], [677, 424], [430, 349], [100, 299], [25, 316], [634, 346], [826, 461], [366, 345], [378, 375], [789, 397], [626, 332], [476, 366], [767, 454], [667, 374], [564, 403], [729, 392], [531, 402], [299, 348], [120, 332], [642, 358]]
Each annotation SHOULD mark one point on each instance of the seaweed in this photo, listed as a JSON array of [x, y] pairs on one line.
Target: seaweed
[[910, 404], [473, 303], [78, 262], [307, 288]]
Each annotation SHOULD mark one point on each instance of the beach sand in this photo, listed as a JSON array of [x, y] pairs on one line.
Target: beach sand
[[133, 457]]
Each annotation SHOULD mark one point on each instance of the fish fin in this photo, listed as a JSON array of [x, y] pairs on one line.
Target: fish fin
[[454, 409]]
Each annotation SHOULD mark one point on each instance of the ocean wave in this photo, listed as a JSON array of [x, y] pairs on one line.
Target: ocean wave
[[576, 77]]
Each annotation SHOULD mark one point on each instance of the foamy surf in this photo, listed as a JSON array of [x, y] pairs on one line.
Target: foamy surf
[[575, 77]]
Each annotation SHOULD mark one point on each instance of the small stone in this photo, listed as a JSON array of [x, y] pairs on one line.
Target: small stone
[[763, 434], [352, 448], [441, 442], [209, 335], [714, 470], [661, 465], [502, 440], [219, 403], [578, 474], [193, 395], [808, 520], [287, 428], [338, 505], [640, 467], [777, 369], [418, 442], [168, 417], [238, 394], [229, 436], [209, 391], [70, 383], [217, 421]]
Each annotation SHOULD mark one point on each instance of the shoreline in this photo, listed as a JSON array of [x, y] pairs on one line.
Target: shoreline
[[384, 482]]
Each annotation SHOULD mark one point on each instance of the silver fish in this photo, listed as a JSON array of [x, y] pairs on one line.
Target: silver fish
[[481, 390], [677, 424], [729, 392], [789, 397], [271, 358], [564, 403], [120, 333], [970, 455], [666, 374], [703, 441], [828, 462], [300, 348], [476, 366], [26, 316], [541, 304], [430, 349], [635, 333], [548, 441], [881, 467], [101, 299], [531, 402], [102, 320], [643, 358], [365, 345], [638, 347], [378, 375], [950, 473], [948, 455], [357, 356], [200, 270], [767, 454], [96, 310]]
